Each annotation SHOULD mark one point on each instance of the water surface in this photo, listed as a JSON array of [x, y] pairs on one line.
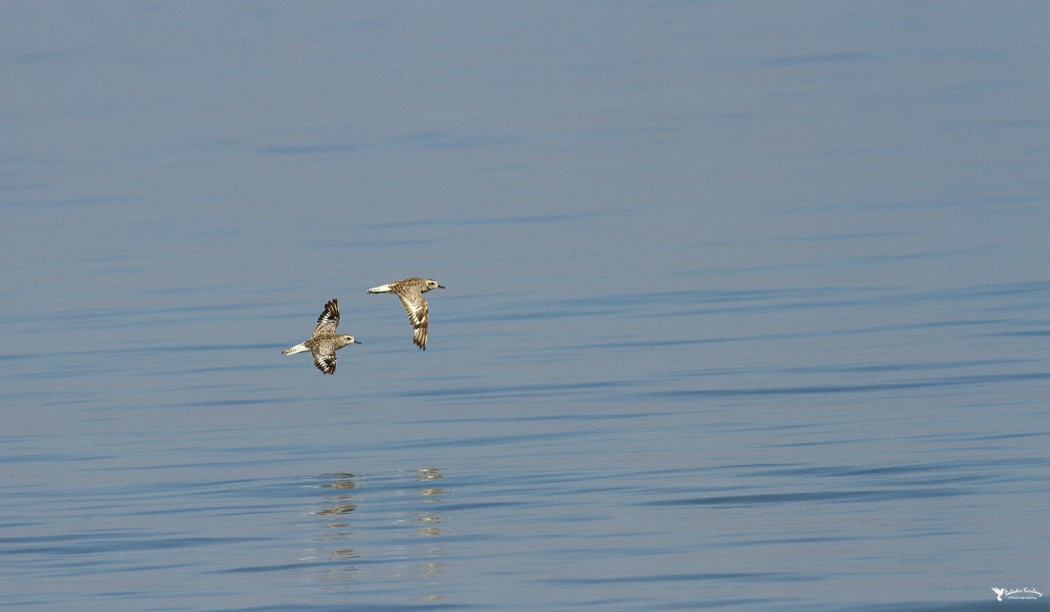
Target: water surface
[[746, 305]]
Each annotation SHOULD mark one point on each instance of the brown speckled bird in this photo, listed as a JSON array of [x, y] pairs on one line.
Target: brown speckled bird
[[324, 342], [410, 291]]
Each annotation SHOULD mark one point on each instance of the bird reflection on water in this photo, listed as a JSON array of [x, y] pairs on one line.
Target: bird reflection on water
[[339, 532], [367, 515]]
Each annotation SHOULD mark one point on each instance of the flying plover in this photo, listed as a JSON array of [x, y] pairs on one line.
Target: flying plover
[[324, 342], [410, 291]]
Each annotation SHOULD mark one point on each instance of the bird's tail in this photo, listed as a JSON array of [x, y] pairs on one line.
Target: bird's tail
[[380, 289], [298, 348]]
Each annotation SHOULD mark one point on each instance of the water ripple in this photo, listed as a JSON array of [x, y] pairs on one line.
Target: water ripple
[[858, 388]]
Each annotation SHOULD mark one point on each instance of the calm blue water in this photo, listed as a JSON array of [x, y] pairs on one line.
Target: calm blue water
[[747, 305]]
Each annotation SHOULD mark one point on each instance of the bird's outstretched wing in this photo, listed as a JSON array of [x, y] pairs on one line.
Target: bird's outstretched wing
[[329, 319], [418, 313], [324, 359]]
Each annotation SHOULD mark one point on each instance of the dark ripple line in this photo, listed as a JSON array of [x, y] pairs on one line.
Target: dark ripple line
[[371, 607], [542, 418], [888, 470], [487, 440], [690, 577], [822, 389], [111, 545], [1022, 334], [230, 402], [812, 496], [283, 567], [819, 58], [521, 390]]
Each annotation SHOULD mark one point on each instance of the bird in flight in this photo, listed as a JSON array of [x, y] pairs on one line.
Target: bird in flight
[[324, 342], [410, 291]]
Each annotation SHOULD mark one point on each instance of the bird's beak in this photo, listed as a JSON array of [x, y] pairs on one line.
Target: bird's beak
[[441, 286], [356, 341]]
